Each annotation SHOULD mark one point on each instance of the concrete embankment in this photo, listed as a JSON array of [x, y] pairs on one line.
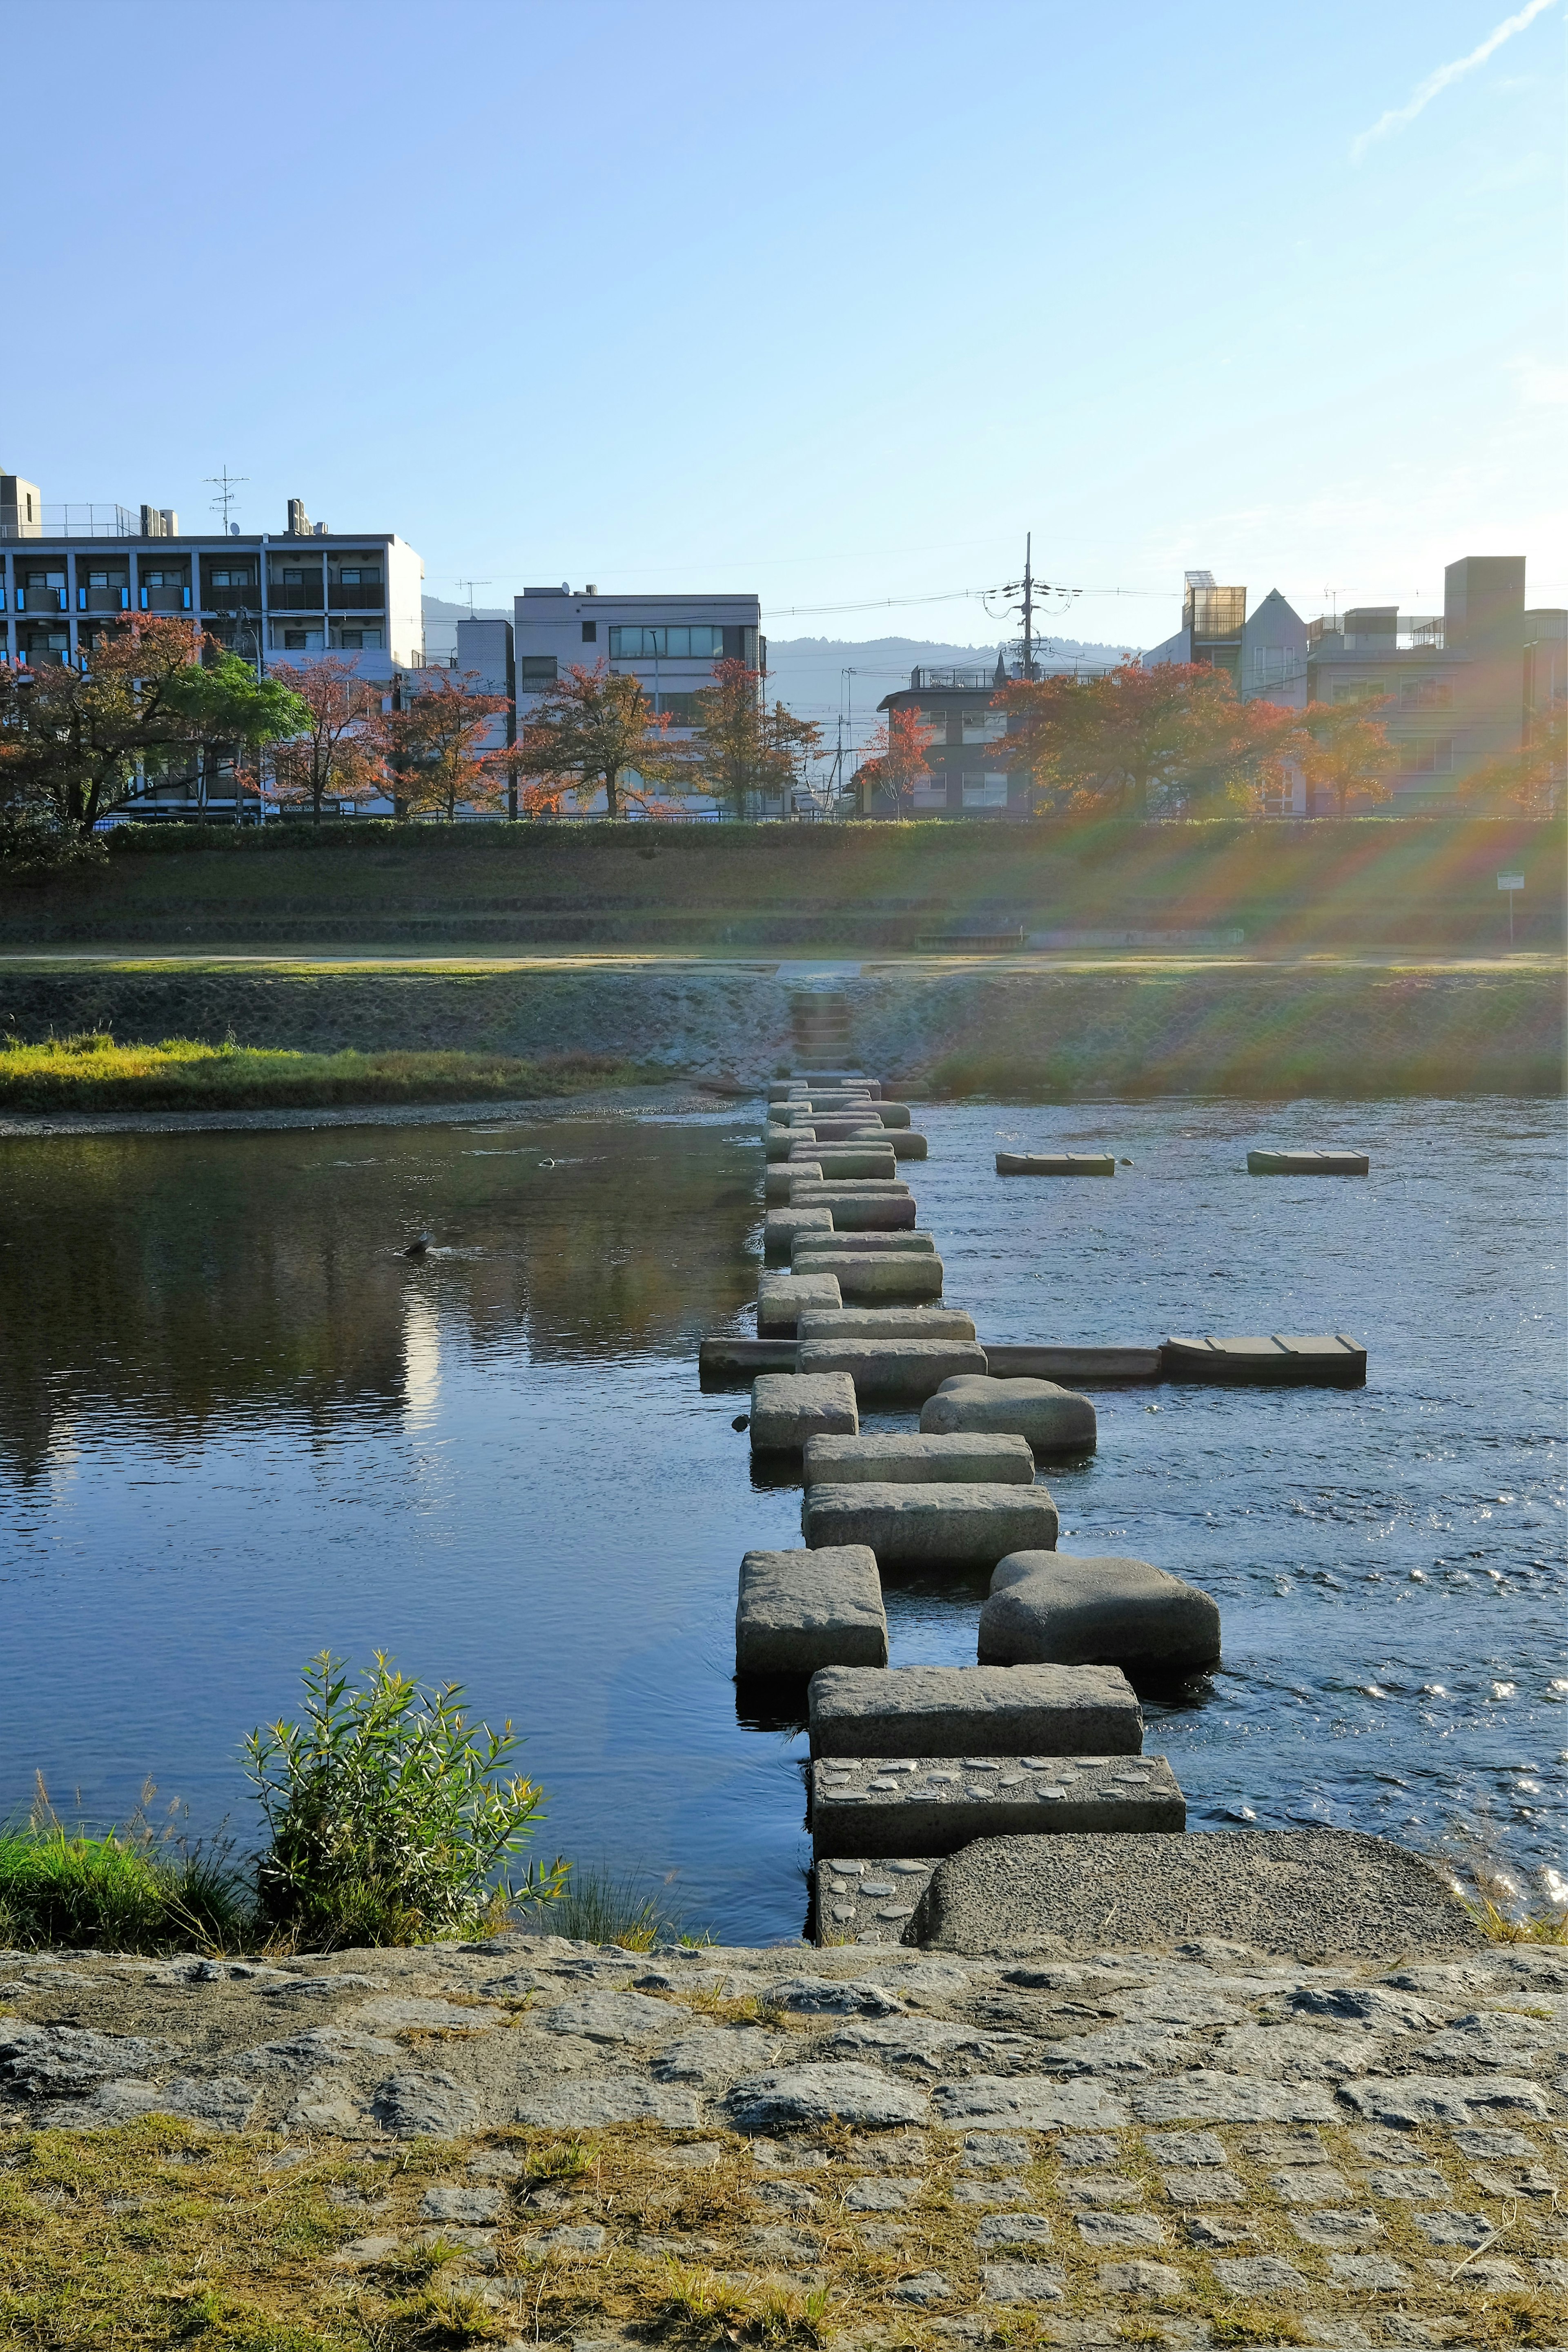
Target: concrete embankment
[[1044, 1029]]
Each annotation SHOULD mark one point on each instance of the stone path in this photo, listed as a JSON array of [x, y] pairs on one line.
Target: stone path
[[1201, 2146]]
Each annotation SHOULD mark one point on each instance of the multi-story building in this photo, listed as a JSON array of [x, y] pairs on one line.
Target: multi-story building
[[290, 596], [670, 643], [967, 752], [1264, 654]]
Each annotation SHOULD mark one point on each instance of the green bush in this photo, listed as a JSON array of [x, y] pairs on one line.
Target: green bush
[[391, 1819], [127, 1891]]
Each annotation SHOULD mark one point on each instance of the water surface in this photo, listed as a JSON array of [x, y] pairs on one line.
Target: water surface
[[236, 1427]]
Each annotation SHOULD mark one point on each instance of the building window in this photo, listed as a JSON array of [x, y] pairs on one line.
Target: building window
[[1427, 693], [535, 673], [297, 641], [105, 579], [681, 708], [232, 578], [1272, 664], [360, 640], [698, 643], [1427, 755], [1358, 690], [984, 726], [589, 633], [985, 791], [357, 575]]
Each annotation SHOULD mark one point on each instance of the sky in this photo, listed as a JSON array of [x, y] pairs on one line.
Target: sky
[[830, 302]]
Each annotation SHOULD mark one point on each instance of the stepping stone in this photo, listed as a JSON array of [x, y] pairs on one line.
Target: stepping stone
[[782, 1299], [892, 1371], [1275, 1361], [865, 1244], [1056, 1163], [1044, 1712], [1308, 1163], [1050, 1608], [1054, 1420], [930, 1805], [779, 1180], [868, 1902], [946, 1526], [908, 1143], [886, 1208], [801, 1610], [782, 1227], [788, 1409], [900, 1461], [872, 1275], [884, 1322], [845, 1159], [1304, 1892]]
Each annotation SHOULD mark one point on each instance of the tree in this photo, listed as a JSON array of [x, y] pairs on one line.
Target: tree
[[1134, 741], [592, 728], [1341, 748], [78, 742], [745, 749], [897, 759], [434, 746], [1528, 782], [231, 711], [339, 753]]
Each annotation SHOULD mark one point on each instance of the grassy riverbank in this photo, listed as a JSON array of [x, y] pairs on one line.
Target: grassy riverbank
[[90, 1071]]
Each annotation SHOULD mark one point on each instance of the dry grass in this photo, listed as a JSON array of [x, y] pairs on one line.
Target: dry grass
[[89, 1072], [155, 2235]]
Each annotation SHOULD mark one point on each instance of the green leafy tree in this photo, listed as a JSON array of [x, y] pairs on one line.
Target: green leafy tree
[[594, 728], [392, 1820]]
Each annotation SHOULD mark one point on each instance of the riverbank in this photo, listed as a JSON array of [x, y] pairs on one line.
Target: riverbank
[[525, 2141], [1014, 1028], [89, 1072]]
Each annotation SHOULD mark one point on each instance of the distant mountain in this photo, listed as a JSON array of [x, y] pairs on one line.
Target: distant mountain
[[441, 621], [808, 673]]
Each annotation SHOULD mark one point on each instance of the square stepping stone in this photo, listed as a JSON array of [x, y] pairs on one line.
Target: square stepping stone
[[892, 1371], [891, 1459], [1186, 2148], [1363, 2270], [788, 1409], [1336, 2229], [799, 1611], [1202, 2185], [1039, 1713], [1082, 2148], [782, 1299], [934, 1804], [865, 1244], [861, 1902], [1411, 2181], [874, 1278], [1309, 2184], [956, 1525], [982, 2150], [782, 1228]]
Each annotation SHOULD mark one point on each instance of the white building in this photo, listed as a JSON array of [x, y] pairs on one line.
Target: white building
[[669, 643]]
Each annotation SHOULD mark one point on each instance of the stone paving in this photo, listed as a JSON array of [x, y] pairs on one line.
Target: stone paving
[[1207, 2146]]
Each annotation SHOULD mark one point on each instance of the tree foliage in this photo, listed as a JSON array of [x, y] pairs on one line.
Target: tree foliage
[[896, 758], [435, 746], [593, 729], [78, 742], [1527, 782], [337, 751], [1342, 748], [744, 749]]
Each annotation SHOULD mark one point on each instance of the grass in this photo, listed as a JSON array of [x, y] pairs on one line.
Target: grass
[[89, 1071], [604, 1907], [129, 1890]]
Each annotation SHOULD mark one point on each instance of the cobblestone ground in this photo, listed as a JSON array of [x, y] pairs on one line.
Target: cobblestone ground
[[858, 2145]]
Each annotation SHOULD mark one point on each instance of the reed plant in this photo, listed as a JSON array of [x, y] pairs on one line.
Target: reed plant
[[132, 1888]]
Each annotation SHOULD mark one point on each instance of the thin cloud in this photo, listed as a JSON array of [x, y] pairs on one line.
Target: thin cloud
[[1398, 116]]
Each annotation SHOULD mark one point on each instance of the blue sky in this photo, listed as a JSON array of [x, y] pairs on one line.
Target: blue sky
[[828, 301]]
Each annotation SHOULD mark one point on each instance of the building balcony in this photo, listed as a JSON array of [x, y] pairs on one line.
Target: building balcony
[[370, 598], [231, 600], [290, 596], [165, 600], [41, 599], [103, 599], [1404, 633]]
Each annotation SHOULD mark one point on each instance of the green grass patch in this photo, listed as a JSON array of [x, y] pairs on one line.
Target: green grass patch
[[90, 1071], [122, 1891]]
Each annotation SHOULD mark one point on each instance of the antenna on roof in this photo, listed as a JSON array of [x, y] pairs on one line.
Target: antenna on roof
[[225, 484], [471, 585]]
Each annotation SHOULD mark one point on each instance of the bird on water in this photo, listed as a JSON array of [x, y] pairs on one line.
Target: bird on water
[[417, 1246]]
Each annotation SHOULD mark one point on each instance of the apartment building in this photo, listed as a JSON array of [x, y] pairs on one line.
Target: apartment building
[[670, 643], [966, 754]]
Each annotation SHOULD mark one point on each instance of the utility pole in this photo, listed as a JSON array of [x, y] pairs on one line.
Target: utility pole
[[1028, 605]]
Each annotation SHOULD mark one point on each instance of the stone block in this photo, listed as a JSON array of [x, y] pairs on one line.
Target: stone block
[[893, 1371], [870, 1244], [796, 2099], [782, 1299], [867, 1902], [847, 1160], [1308, 1163], [779, 1182], [1305, 1893], [881, 1209], [893, 1114], [1052, 1608], [783, 1227], [848, 1126], [881, 1322], [801, 1610], [788, 1409], [926, 1805], [1041, 1711], [899, 1461], [1056, 1163], [949, 1525], [1053, 1418], [907, 1143], [877, 1275], [781, 1144]]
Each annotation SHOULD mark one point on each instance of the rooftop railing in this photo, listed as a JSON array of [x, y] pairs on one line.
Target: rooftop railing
[[1412, 633], [84, 520]]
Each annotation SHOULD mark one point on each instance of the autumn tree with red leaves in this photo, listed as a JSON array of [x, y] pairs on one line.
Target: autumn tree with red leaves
[[434, 741], [593, 729], [745, 750], [1136, 742], [896, 758], [339, 753], [1341, 749]]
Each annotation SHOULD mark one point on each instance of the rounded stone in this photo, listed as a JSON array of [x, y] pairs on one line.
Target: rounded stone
[[1054, 1420], [1050, 1608]]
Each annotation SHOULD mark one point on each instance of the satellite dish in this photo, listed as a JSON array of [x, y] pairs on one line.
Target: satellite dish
[[234, 530], [565, 588]]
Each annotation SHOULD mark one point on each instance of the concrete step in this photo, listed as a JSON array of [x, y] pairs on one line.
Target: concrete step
[[934, 1804], [975, 1711]]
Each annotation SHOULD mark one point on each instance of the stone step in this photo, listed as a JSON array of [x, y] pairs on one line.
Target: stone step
[[799, 1611], [1054, 1420], [887, 1208], [782, 1299], [725, 1362], [880, 1322], [907, 1143], [1332, 1362], [841, 1159], [867, 1902], [957, 1526], [1056, 1163], [1063, 1609], [896, 1460], [976, 1711], [893, 1371], [934, 1804], [877, 1275], [782, 1226], [787, 1410], [1308, 1163], [812, 1235]]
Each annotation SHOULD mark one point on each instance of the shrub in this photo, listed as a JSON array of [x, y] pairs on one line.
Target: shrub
[[126, 1891], [391, 1819]]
